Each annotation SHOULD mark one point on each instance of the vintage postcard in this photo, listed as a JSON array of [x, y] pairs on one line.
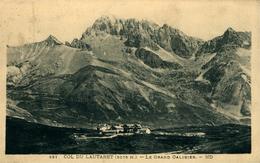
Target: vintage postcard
[[132, 81]]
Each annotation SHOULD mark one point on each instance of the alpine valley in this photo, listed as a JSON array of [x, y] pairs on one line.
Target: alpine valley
[[131, 71]]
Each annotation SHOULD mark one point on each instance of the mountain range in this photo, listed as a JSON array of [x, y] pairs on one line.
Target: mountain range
[[131, 71]]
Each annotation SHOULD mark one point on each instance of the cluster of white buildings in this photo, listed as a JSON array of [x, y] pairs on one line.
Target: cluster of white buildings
[[123, 128]]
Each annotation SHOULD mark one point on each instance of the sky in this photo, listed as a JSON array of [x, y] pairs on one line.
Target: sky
[[30, 21]]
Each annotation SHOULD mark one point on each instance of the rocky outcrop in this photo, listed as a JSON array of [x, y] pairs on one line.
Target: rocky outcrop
[[76, 43], [153, 60], [174, 40]]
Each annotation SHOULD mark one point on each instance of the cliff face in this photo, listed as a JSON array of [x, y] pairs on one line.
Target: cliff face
[[125, 70]]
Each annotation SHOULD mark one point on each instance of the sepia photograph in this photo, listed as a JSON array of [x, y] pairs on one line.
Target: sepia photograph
[[129, 77]]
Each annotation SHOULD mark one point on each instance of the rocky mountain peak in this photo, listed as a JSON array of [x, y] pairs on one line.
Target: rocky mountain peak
[[236, 39], [106, 18], [230, 33], [142, 33], [51, 40], [230, 30], [230, 38]]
